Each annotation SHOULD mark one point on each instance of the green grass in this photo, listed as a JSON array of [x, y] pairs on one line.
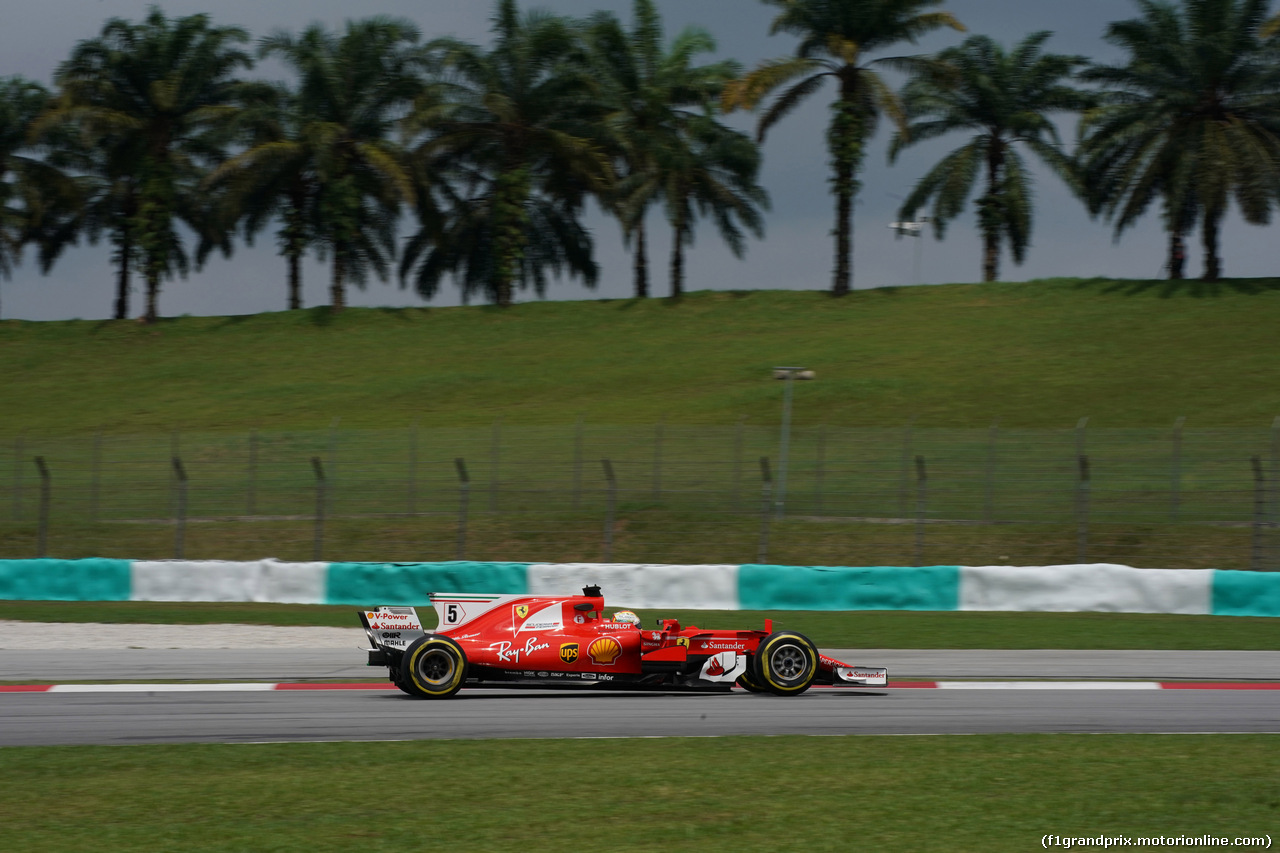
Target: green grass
[[1036, 354], [843, 629], [1000, 792]]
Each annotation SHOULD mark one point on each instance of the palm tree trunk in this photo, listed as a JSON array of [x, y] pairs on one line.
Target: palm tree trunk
[[153, 295], [641, 263], [122, 278], [295, 281], [1177, 256], [989, 215], [677, 262], [844, 139], [1212, 264], [337, 290]]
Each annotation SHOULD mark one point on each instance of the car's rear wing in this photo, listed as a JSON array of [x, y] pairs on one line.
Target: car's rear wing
[[391, 628]]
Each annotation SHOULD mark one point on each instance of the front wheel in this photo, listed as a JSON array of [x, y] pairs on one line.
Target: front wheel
[[747, 682], [433, 667], [786, 663]]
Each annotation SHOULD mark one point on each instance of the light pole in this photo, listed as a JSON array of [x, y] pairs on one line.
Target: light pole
[[788, 375], [912, 229]]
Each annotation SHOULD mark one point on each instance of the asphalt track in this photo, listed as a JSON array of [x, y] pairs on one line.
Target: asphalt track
[[242, 716], [286, 664]]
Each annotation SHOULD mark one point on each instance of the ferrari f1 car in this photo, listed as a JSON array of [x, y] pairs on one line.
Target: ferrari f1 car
[[509, 640]]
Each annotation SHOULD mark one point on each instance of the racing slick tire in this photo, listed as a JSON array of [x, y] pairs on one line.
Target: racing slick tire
[[433, 667], [748, 682], [785, 663]]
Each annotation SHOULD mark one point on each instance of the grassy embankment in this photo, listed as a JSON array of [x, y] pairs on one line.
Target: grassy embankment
[[991, 792], [1036, 354]]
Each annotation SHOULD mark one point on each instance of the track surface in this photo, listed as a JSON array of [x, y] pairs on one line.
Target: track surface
[[140, 718], [285, 664]]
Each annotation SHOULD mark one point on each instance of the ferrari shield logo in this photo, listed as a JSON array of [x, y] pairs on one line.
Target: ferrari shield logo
[[682, 641], [522, 610], [569, 652]]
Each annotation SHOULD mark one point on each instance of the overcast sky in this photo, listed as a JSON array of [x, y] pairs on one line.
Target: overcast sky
[[797, 251]]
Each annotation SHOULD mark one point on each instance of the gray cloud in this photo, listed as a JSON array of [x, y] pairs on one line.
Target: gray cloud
[[797, 251]]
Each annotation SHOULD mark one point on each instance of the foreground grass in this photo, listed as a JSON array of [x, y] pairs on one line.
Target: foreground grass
[[741, 794], [1036, 354], [836, 630]]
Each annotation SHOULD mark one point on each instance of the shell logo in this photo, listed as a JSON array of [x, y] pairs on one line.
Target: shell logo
[[604, 651]]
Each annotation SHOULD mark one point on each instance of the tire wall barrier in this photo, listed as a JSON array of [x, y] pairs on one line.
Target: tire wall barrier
[[1068, 588]]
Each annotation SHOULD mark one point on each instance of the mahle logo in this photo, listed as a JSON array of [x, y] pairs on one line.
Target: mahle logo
[[569, 652]]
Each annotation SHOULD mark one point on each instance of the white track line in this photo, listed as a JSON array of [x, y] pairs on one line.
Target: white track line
[[1049, 685]]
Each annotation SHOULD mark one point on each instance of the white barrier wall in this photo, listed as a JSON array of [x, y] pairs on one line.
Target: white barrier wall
[[709, 587], [223, 580], [1097, 587]]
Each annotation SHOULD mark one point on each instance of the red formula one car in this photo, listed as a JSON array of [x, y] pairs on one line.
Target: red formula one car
[[568, 640]]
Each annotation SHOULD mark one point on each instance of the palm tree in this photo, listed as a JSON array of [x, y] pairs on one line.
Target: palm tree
[[836, 36], [514, 133], [33, 194], [710, 170], [153, 99], [1191, 119], [341, 177], [651, 94], [274, 178], [1005, 99]]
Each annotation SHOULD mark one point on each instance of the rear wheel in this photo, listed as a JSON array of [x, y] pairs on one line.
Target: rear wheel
[[433, 667], [786, 663]]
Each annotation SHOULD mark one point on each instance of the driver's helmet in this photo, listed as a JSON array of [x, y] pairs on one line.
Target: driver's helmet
[[626, 616]]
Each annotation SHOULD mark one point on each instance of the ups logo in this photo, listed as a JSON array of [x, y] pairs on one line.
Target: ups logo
[[569, 652], [522, 610]]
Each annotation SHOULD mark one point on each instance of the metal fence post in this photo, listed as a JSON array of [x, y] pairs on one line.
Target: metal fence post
[[413, 467], [577, 463], [1175, 475], [18, 454], [317, 548], [658, 434], [180, 507], [611, 509], [42, 536], [766, 501], [922, 506], [175, 449], [1082, 508], [906, 467], [737, 464], [819, 469], [495, 457], [1275, 471], [95, 474], [1259, 514], [331, 484], [251, 504], [988, 495], [1081, 436], [464, 503]]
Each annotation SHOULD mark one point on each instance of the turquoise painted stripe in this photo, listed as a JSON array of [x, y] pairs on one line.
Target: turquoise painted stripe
[[839, 588], [65, 580], [1245, 593], [410, 583]]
